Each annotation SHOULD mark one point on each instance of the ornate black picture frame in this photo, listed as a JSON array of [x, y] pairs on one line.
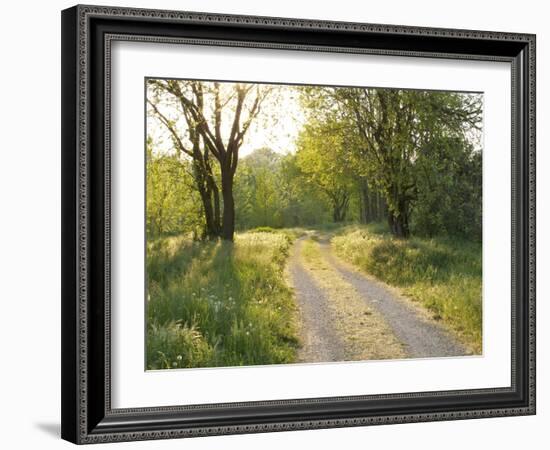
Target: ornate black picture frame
[[87, 34]]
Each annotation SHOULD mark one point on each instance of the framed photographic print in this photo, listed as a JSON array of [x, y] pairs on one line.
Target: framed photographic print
[[279, 224]]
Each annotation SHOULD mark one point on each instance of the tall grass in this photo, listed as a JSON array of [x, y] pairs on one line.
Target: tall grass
[[214, 304], [443, 274]]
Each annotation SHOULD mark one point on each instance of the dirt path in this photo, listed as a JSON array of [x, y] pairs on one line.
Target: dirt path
[[320, 340], [346, 315]]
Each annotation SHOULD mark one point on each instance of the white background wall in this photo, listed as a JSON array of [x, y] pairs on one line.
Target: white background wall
[[30, 223]]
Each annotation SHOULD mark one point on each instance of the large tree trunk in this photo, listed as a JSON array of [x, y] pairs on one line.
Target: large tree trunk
[[399, 208], [380, 207], [340, 207], [228, 220], [363, 203], [371, 203], [343, 214], [207, 190], [214, 198], [210, 231], [399, 221], [373, 199], [217, 214]]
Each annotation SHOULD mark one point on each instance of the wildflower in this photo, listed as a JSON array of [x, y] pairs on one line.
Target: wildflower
[[179, 357]]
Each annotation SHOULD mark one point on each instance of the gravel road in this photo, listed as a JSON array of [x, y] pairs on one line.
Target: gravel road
[[420, 336], [321, 342]]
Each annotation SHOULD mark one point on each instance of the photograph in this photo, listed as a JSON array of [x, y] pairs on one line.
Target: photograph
[[310, 223]]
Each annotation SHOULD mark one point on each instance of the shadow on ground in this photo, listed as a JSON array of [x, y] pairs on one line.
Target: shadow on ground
[[53, 429]]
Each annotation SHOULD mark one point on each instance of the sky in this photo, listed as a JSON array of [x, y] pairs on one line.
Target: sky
[[277, 126]]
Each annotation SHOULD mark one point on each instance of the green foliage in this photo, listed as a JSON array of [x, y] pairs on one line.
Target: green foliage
[[401, 142], [264, 230], [305, 204], [406, 156], [449, 192], [256, 190], [442, 274], [172, 203], [323, 158], [219, 303], [270, 191]]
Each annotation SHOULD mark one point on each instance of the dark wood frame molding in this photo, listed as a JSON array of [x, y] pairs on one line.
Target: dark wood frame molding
[[87, 33]]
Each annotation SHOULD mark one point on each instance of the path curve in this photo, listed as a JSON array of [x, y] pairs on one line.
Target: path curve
[[421, 337]]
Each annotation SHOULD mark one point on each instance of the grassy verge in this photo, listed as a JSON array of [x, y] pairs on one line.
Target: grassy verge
[[213, 304], [442, 274]]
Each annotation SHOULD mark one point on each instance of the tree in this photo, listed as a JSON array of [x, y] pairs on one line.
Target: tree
[[216, 117], [171, 204], [395, 128], [372, 206], [410, 157], [323, 157], [303, 202], [449, 190]]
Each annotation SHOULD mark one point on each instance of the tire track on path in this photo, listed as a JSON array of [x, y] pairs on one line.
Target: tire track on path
[[320, 340], [421, 336]]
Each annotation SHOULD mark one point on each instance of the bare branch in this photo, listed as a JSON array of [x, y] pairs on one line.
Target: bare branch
[[169, 126]]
